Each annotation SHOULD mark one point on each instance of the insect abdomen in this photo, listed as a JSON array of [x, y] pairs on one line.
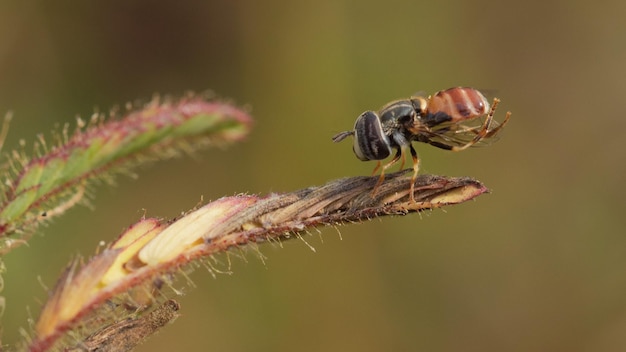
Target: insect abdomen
[[460, 103]]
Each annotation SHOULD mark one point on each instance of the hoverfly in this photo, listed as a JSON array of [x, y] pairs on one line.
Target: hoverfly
[[439, 120]]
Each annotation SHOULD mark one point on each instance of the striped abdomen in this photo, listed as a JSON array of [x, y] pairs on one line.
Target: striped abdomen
[[460, 103]]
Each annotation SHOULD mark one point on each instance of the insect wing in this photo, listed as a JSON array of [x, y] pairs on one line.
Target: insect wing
[[456, 134]]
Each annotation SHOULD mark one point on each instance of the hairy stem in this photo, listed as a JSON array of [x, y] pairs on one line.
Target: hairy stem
[[45, 186], [140, 266]]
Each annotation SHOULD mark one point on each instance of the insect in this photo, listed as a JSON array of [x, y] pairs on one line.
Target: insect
[[442, 120]]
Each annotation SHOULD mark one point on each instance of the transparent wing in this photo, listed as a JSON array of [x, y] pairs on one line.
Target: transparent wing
[[459, 135]]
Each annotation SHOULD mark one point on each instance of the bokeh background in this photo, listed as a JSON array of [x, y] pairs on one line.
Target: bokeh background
[[537, 265]]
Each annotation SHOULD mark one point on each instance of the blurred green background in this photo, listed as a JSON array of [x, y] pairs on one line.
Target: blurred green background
[[537, 265]]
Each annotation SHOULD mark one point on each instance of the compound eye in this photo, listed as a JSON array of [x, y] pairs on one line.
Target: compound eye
[[370, 143]]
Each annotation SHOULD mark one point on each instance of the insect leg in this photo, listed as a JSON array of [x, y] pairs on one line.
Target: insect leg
[[385, 167], [416, 165], [484, 131], [403, 161], [378, 163], [499, 127]]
